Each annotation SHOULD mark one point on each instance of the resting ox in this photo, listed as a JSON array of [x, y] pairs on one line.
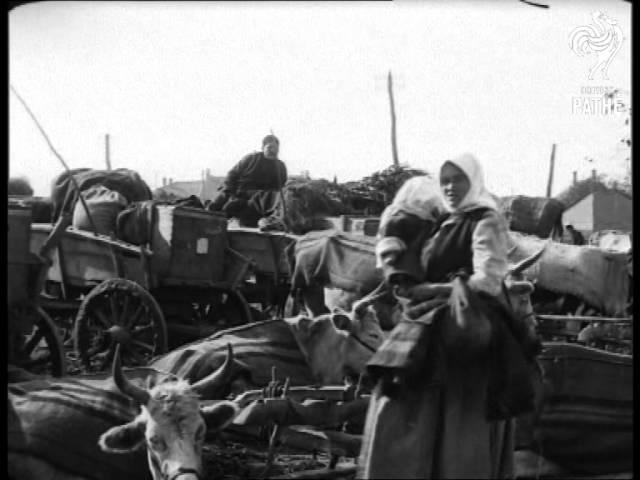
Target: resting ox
[[70, 428], [322, 350]]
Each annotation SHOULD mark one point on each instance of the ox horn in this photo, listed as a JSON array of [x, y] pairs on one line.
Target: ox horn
[[137, 393], [527, 262], [214, 381]]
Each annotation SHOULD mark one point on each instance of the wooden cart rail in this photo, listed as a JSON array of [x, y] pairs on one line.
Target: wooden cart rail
[[566, 318], [267, 250], [84, 259]]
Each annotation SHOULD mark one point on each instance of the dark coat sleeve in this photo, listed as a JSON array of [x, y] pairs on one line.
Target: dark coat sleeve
[[234, 175], [282, 174]]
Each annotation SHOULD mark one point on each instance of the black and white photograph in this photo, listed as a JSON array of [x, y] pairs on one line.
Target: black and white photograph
[[320, 240]]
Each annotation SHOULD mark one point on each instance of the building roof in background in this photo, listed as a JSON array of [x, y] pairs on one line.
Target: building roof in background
[[581, 189], [205, 189]]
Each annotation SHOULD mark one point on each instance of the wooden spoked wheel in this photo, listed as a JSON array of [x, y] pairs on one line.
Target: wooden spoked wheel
[[119, 311], [39, 349]]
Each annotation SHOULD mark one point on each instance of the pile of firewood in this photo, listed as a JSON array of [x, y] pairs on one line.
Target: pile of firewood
[[380, 187]]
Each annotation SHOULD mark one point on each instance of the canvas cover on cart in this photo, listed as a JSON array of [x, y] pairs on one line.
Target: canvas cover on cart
[[126, 182]]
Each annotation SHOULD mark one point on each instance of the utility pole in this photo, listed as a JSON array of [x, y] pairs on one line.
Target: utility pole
[[107, 157], [394, 145], [551, 168]]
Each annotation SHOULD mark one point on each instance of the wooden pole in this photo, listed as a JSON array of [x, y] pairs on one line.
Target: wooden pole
[[551, 168], [394, 145], [583, 318], [107, 157]]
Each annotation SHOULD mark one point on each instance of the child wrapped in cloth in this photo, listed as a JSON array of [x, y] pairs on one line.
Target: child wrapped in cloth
[[457, 369]]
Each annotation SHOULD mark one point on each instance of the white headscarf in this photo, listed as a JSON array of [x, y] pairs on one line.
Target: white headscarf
[[477, 196], [418, 196]]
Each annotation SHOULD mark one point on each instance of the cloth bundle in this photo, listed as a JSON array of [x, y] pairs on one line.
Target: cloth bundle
[[127, 183], [133, 224]]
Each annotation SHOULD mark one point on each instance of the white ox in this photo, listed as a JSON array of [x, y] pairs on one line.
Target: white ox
[[67, 428], [171, 424], [599, 278], [321, 350]]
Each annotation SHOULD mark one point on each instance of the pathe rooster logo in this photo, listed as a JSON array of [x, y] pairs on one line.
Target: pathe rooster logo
[[603, 38]]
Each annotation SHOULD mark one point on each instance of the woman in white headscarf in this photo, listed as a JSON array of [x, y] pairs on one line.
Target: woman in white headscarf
[[440, 428], [473, 224]]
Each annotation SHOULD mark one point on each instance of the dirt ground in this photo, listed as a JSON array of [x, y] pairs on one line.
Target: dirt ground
[[230, 460]]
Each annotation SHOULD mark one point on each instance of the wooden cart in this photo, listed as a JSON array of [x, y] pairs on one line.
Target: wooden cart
[[191, 278]]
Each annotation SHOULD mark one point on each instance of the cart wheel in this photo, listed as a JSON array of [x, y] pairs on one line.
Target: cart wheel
[[119, 311], [41, 350]]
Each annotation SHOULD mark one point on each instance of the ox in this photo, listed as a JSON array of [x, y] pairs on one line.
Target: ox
[[99, 415], [597, 277], [323, 350]]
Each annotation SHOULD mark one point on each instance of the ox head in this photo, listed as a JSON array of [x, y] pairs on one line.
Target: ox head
[[519, 289], [337, 345], [171, 423]]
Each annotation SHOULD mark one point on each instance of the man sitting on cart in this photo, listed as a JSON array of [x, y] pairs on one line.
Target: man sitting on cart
[[252, 189]]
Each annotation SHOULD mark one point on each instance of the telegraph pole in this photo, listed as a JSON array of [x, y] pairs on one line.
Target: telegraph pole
[[394, 145], [107, 157], [551, 168]]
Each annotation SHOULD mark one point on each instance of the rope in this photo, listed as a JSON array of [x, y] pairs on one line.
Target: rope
[[112, 252], [58, 156]]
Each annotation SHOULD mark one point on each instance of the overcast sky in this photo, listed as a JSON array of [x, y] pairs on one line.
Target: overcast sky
[[185, 86]]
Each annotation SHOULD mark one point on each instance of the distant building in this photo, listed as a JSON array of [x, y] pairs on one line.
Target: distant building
[[206, 188], [591, 206]]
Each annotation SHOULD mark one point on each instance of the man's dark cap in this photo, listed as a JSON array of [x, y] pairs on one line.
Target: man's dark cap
[[270, 138]]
